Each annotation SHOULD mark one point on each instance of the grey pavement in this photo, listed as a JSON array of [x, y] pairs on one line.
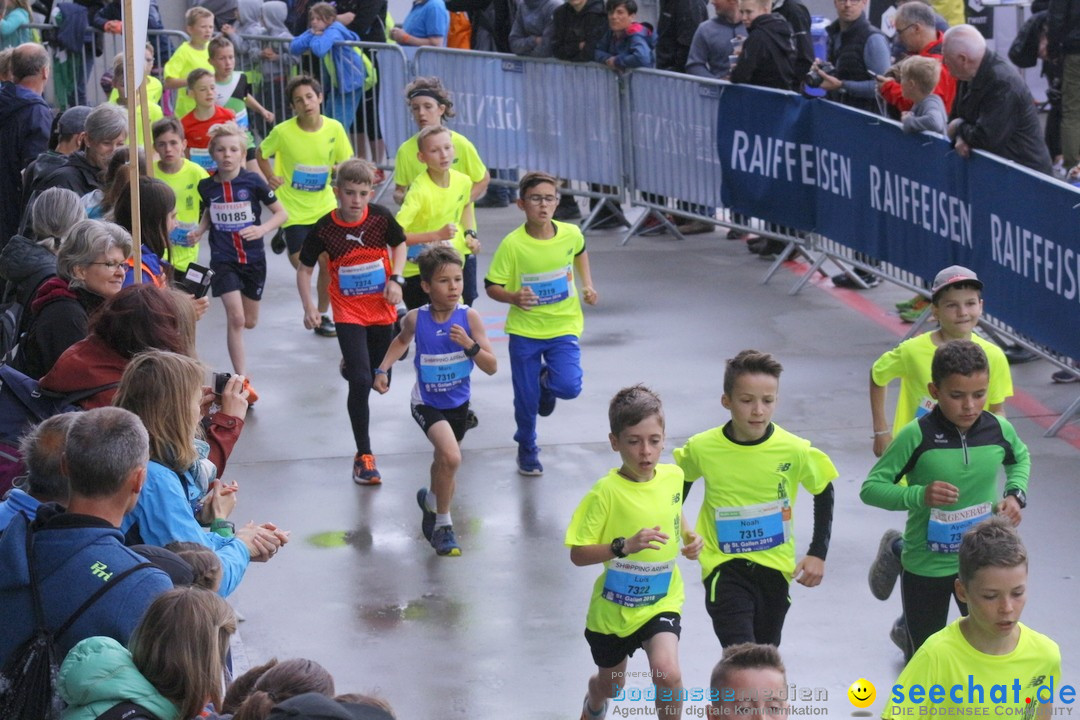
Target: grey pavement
[[498, 631]]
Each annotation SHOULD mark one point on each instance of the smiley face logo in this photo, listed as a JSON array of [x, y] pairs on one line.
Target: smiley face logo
[[862, 693]]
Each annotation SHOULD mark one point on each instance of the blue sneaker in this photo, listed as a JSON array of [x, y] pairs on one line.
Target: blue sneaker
[[547, 398], [427, 525], [444, 542], [528, 462]]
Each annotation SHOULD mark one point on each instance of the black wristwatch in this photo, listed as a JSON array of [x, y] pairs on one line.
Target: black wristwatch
[[617, 546], [470, 233], [473, 351], [399, 279], [1020, 495]]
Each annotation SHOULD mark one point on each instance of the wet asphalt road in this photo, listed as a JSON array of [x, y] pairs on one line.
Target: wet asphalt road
[[498, 631]]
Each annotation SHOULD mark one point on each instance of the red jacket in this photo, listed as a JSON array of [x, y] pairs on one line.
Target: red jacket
[[946, 87], [91, 363]]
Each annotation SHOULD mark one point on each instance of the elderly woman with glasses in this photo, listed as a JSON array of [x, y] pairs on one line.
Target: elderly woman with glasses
[[89, 270]]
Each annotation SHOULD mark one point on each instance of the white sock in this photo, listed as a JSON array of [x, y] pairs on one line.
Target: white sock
[[441, 520], [429, 501]]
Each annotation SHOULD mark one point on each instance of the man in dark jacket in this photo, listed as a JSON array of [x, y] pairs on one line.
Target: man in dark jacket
[[578, 26], [798, 18], [856, 49], [994, 110], [78, 552], [679, 20], [68, 136], [768, 55], [25, 124], [1063, 48]]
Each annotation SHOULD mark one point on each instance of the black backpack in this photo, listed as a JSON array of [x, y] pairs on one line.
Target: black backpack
[[23, 404], [28, 680]]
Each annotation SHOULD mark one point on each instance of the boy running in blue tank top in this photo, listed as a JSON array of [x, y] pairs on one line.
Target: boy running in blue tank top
[[450, 340]]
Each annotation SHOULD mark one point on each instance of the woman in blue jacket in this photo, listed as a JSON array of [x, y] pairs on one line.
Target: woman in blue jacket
[[183, 499], [344, 72]]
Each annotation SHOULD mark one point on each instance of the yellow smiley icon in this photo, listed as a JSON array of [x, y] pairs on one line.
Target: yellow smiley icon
[[862, 693]]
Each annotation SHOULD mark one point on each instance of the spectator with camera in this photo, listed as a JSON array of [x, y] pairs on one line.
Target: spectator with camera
[[916, 28], [184, 494], [857, 53]]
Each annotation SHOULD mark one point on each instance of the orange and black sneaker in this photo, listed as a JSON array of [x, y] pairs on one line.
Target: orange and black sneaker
[[364, 471], [253, 397]]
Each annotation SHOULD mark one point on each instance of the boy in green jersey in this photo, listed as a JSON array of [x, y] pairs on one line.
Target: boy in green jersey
[[533, 271], [437, 210], [183, 176], [306, 149], [233, 92], [753, 470], [987, 662], [951, 458], [191, 55], [957, 305], [631, 521]]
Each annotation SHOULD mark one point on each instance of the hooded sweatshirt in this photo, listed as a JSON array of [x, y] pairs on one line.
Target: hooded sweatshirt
[[25, 124], [574, 27], [98, 674], [77, 174], [342, 63], [533, 20], [632, 49], [710, 52], [768, 55], [59, 319], [73, 554]]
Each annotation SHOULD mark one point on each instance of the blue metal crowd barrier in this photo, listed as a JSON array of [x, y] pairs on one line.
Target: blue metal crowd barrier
[[665, 142]]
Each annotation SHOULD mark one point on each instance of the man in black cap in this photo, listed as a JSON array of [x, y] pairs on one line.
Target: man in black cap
[[68, 136]]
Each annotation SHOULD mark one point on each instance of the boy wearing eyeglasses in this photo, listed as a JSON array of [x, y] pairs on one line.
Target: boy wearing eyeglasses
[[533, 271]]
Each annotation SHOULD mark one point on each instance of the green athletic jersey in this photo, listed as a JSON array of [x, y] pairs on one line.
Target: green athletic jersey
[[948, 659], [932, 448], [547, 266], [910, 361], [750, 494], [632, 590]]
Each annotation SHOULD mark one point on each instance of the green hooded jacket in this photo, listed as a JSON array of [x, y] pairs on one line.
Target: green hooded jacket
[[98, 673]]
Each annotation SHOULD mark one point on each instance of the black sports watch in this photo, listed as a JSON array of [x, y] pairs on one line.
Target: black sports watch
[[399, 279], [1020, 495], [617, 546]]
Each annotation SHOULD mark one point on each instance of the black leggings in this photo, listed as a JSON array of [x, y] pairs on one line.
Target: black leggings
[[926, 604], [363, 348]]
